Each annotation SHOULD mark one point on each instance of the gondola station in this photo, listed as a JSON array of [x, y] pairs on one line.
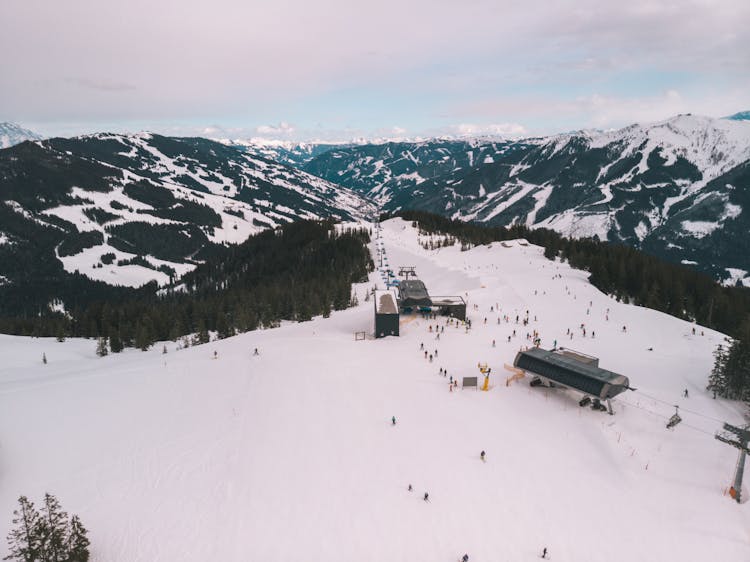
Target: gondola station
[[574, 370], [405, 296]]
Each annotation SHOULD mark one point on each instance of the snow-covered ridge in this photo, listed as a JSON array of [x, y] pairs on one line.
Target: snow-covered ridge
[[12, 134]]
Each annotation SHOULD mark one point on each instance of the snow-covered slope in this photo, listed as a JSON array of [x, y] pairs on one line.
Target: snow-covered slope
[[12, 134], [151, 204], [290, 455]]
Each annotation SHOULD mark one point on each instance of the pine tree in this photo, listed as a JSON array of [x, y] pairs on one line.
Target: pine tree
[[77, 544], [115, 343], [101, 347], [143, 337], [716, 380], [25, 541], [53, 526]]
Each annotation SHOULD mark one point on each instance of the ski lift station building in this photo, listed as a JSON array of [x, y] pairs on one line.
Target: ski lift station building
[[413, 294], [386, 314], [573, 370]]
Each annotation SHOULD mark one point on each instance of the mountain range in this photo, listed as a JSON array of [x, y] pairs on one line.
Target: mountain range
[[125, 209], [676, 188]]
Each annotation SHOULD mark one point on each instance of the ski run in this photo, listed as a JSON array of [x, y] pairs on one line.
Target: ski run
[[214, 453]]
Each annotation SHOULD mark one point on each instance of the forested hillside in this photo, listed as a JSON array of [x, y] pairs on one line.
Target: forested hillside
[[294, 272]]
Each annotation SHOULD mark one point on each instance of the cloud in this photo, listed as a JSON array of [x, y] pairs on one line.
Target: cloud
[[342, 63], [102, 85], [498, 129], [282, 129]]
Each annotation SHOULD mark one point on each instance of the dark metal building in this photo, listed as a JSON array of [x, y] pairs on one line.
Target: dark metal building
[[413, 293], [572, 370], [386, 314], [455, 307]]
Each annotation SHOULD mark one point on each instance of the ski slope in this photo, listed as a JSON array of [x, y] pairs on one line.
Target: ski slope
[[291, 455]]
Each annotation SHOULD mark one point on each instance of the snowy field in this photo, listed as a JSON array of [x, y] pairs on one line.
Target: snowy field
[[291, 455]]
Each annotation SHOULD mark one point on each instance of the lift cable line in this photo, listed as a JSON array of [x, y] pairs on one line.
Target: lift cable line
[[717, 420]]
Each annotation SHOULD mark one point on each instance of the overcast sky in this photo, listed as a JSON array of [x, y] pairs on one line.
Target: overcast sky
[[338, 69]]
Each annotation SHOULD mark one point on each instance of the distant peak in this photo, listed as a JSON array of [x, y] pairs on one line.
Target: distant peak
[[739, 116]]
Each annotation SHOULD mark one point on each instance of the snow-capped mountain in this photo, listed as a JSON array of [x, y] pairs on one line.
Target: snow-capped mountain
[[740, 116], [12, 134], [126, 209], [383, 171], [295, 154], [676, 188]]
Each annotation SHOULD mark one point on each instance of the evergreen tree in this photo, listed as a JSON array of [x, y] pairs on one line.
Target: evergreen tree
[[101, 347], [143, 337], [77, 544], [716, 380], [25, 541], [53, 525], [115, 343]]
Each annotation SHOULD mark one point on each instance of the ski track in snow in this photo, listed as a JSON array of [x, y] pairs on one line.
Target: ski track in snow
[[291, 455]]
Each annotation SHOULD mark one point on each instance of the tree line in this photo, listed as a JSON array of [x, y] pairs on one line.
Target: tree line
[[633, 277]]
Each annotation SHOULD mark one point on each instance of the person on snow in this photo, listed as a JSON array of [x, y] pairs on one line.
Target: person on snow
[[465, 558], [410, 488], [426, 497], [393, 420], [544, 552], [686, 393], [481, 455]]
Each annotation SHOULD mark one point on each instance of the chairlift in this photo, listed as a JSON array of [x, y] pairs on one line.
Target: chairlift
[[675, 419]]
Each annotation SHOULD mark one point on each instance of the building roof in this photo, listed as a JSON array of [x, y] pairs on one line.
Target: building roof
[[413, 291], [385, 302], [448, 301], [566, 369]]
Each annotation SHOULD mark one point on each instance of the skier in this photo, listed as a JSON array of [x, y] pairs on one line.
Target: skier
[[256, 352], [393, 420], [686, 393], [410, 488], [481, 455], [426, 497], [436, 353], [493, 343], [544, 553], [421, 345], [465, 558]]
